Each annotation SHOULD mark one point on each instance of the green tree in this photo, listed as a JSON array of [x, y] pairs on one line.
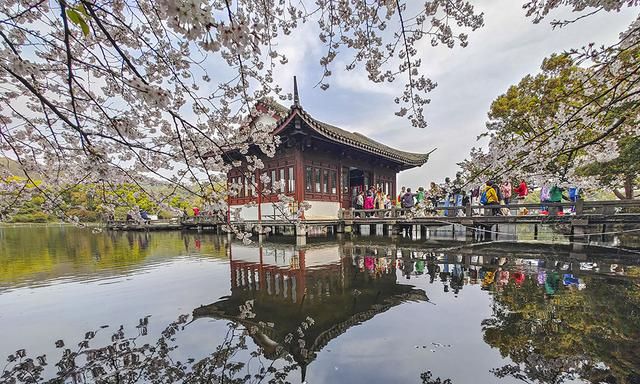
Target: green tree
[[620, 173]]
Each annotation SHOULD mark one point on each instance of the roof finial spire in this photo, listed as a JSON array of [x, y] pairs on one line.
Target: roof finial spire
[[296, 98]]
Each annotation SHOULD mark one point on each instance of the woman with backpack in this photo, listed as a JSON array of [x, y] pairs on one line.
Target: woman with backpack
[[490, 197]]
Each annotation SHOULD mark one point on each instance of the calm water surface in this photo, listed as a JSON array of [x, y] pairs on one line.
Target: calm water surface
[[356, 310]]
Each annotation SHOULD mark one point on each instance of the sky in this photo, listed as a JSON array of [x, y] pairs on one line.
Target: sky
[[507, 48]]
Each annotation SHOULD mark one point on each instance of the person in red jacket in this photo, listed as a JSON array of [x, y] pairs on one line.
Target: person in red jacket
[[521, 190]]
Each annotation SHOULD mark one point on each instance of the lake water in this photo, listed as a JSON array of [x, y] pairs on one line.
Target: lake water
[[353, 310]]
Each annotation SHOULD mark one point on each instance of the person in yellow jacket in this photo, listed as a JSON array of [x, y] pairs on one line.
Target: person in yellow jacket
[[492, 196]]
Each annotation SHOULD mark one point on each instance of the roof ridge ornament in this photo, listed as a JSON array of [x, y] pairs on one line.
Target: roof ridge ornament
[[296, 97]]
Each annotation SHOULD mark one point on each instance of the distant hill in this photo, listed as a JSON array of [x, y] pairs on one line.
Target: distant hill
[[13, 166], [15, 169]]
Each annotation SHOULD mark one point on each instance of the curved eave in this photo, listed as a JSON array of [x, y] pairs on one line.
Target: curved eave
[[405, 160]]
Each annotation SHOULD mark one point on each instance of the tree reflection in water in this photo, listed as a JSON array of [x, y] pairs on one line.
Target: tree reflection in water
[[289, 311], [280, 314], [129, 360], [557, 329]]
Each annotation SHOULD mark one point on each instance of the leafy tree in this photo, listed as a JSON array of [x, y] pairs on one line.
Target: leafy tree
[[621, 172]]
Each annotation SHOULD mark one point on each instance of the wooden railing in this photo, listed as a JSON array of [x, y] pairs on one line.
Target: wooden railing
[[122, 223], [578, 208], [202, 219]]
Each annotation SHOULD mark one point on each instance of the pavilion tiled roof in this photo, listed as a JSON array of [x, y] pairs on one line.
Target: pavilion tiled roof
[[352, 139]]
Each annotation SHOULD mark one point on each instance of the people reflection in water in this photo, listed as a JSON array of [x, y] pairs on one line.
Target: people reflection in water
[[407, 263], [432, 270], [420, 267], [370, 263], [454, 273], [552, 283], [457, 278]]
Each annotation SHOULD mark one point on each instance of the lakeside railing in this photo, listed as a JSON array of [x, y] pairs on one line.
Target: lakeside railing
[[577, 208]]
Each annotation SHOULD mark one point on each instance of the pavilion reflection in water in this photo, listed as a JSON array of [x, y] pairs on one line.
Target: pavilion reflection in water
[[334, 285]]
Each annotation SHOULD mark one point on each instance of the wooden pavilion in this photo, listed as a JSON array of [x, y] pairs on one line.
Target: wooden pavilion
[[315, 162]]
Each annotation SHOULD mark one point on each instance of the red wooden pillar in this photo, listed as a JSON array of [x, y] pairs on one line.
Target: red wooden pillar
[[300, 275], [299, 171], [261, 273], [259, 189]]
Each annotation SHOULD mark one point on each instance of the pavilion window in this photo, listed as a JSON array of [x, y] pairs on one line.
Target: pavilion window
[[345, 181], [253, 185], [241, 186], [334, 182], [292, 181], [282, 181], [325, 181], [317, 180], [308, 175], [273, 181]]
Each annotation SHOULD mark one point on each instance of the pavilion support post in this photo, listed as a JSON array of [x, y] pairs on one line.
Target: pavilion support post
[[372, 230], [394, 229], [468, 233], [385, 229], [301, 235], [340, 227], [579, 238], [535, 231], [423, 232]]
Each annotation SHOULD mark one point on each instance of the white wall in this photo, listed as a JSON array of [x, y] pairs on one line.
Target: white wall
[[267, 210], [319, 210], [322, 210], [246, 213]]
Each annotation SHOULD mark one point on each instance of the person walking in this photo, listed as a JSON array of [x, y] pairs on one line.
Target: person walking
[[446, 191], [407, 199], [556, 195], [380, 199], [401, 194], [368, 201], [360, 201], [420, 196], [434, 194], [545, 197], [506, 190], [522, 190], [490, 197]]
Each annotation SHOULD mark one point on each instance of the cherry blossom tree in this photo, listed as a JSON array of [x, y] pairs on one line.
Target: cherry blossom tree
[[572, 115], [118, 90]]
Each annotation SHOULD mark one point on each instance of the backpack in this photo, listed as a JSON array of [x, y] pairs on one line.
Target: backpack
[[483, 198]]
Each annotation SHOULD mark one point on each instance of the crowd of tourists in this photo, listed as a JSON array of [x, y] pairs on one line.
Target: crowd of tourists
[[447, 196]]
